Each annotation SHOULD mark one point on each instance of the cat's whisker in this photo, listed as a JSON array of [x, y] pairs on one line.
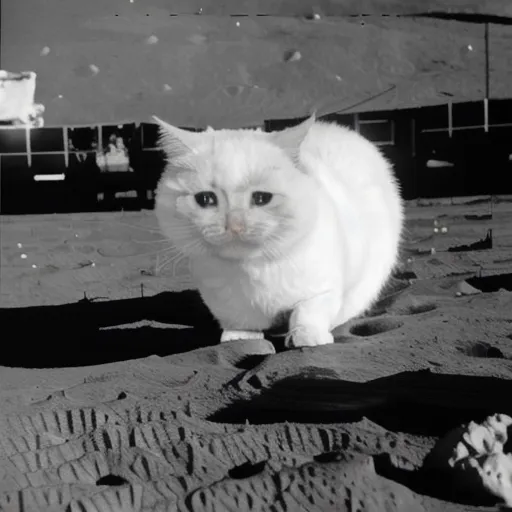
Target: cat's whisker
[[180, 254], [174, 260], [171, 256], [159, 241]]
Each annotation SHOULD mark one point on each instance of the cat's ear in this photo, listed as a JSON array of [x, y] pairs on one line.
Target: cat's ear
[[175, 142], [290, 139]]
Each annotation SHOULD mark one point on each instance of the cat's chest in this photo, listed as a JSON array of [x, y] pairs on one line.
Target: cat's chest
[[267, 289]]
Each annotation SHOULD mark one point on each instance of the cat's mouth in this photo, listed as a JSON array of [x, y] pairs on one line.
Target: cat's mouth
[[235, 247]]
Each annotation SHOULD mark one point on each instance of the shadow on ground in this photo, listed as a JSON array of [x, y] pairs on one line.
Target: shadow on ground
[[92, 332]]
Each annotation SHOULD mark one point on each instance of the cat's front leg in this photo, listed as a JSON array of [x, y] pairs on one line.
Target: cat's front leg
[[311, 321]]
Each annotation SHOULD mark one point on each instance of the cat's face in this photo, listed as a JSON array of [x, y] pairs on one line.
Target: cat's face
[[235, 194]]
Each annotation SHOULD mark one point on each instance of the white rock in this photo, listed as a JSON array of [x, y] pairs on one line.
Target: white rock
[[474, 452]]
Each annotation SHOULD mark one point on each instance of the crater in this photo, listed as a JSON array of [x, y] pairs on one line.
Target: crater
[[373, 327], [246, 470], [112, 480], [482, 349]]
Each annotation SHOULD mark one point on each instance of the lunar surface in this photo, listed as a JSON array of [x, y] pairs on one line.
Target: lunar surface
[[115, 394]]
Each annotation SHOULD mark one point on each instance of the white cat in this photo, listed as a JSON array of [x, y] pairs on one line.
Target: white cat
[[306, 220]]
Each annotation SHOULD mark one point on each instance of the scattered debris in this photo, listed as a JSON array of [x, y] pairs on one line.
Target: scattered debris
[[114, 158], [17, 105], [292, 56]]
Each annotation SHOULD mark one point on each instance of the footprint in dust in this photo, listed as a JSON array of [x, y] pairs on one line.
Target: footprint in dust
[[373, 327], [416, 309]]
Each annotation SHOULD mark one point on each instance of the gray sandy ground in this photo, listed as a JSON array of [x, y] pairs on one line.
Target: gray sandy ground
[[240, 427]]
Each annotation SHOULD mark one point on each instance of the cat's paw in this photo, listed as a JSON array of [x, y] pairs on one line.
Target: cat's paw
[[240, 335], [308, 336]]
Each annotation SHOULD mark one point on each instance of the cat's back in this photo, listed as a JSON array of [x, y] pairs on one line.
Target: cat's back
[[346, 154], [360, 183], [351, 169]]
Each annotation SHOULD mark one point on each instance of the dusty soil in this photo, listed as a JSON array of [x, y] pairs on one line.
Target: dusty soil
[[214, 69], [115, 394]]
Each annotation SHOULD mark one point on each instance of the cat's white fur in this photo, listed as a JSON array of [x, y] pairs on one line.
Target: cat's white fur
[[322, 249]]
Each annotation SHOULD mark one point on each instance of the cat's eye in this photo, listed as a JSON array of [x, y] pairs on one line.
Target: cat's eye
[[261, 198], [206, 199]]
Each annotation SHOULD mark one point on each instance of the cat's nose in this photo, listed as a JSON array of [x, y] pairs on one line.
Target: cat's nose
[[235, 224]]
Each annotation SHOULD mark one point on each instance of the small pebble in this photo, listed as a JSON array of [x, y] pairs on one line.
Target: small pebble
[[34, 266], [444, 229], [293, 56], [95, 69], [432, 251], [436, 230], [93, 264], [316, 16], [167, 87], [152, 40], [19, 245], [338, 77], [237, 23], [60, 96], [23, 256], [45, 51]]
